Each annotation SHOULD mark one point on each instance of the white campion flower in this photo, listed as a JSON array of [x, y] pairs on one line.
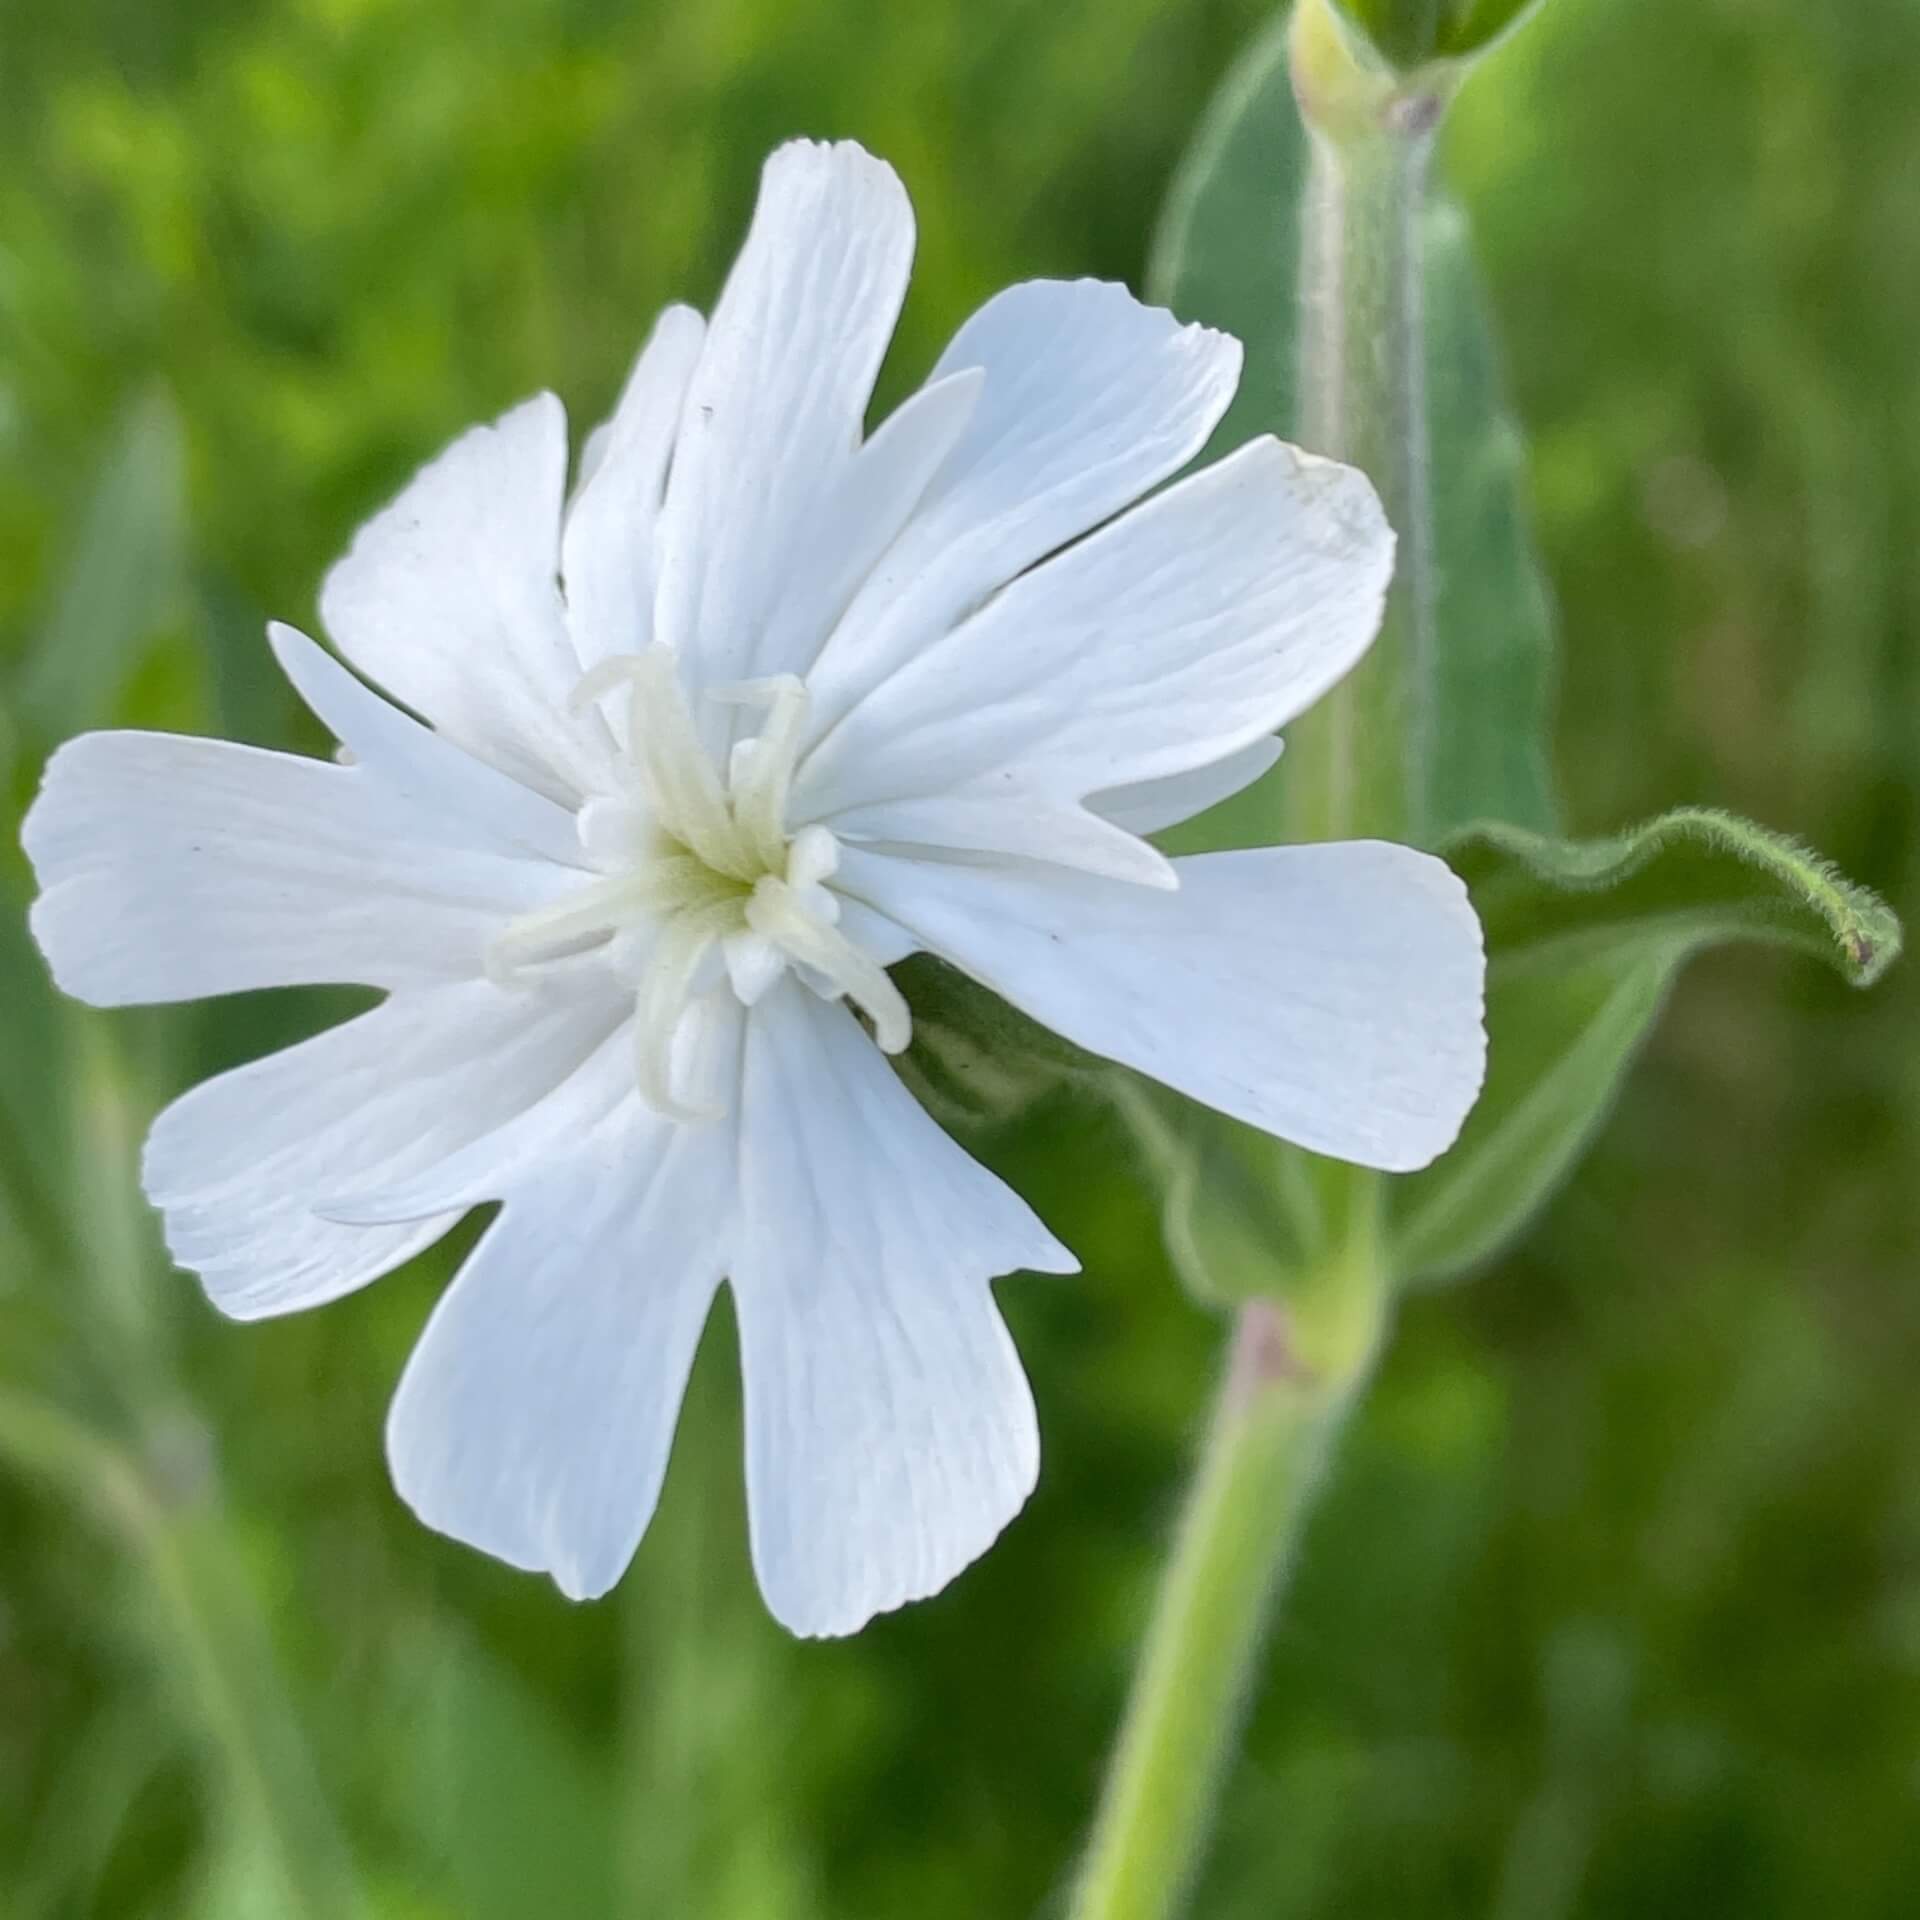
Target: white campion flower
[[767, 705]]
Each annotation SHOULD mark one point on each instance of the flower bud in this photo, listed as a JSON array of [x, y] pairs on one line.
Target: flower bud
[[1410, 34]]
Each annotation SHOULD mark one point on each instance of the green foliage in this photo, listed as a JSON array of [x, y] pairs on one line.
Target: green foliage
[[1582, 938], [1610, 1610], [124, 581]]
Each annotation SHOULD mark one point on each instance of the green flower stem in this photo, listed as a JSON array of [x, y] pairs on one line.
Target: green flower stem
[[1358, 763], [1291, 1379], [1357, 767]]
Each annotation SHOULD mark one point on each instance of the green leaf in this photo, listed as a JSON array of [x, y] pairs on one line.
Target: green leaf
[[124, 579], [519, 1816], [1228, 254], [1566, 1039], [1244, 1213], [1683, 881], [1584, 938]]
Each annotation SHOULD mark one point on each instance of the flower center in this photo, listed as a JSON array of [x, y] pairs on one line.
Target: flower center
[[694, 866]]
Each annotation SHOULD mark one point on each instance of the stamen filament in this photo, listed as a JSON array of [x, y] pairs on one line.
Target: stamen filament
[[665, 990], [581, 921], [775, 912], [704, 859], [760, 796]]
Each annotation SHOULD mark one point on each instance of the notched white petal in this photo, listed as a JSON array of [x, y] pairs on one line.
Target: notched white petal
[[1091, 399], [890, 1431], [1331, 995], [241, 1165], [535, 1417]]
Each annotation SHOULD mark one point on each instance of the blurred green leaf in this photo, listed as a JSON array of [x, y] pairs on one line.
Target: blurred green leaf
[[1583, 939], [518, 1817], [124, 578], [1491, 682], [153, 1499], [1566, 1037]]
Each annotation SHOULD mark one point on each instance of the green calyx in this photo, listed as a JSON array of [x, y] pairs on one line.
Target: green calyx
[[1404, 37]]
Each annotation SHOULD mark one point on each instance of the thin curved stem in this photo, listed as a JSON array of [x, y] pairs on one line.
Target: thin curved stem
[[218, 1643]]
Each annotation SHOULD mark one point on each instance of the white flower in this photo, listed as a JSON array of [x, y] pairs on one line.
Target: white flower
[[765, 707]]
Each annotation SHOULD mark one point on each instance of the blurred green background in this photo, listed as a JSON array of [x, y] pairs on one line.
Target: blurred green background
[[1613, 1607]]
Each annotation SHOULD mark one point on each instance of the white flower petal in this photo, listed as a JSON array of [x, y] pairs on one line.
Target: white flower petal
[[546, 1127], [1331, 995], [994, 814], [1149, 805], [1091, 400], [475, 802], [173, 869], [1178, 635], [890, 1432], [855, 523], [535, 1416], [775, 411], [450, 600], [606, 546], [239, 1164]]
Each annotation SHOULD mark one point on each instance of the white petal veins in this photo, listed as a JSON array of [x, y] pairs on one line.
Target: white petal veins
[[469, 799], [535, 1417], [450, 600], [890, 1430], [607, 541], [774, 413], [1331, 995], [176, 869], [1091, 400], [240, 1165], [1181, 634]]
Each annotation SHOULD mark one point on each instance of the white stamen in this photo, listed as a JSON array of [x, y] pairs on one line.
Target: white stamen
[[695, 863], [775, 911], [665, 989]]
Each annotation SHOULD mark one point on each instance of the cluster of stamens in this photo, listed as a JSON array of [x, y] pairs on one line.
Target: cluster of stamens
[[692, 865]]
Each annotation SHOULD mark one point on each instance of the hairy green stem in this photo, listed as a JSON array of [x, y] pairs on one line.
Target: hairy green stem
[[1358, 763], [1357, 766], [1288, 1387]]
